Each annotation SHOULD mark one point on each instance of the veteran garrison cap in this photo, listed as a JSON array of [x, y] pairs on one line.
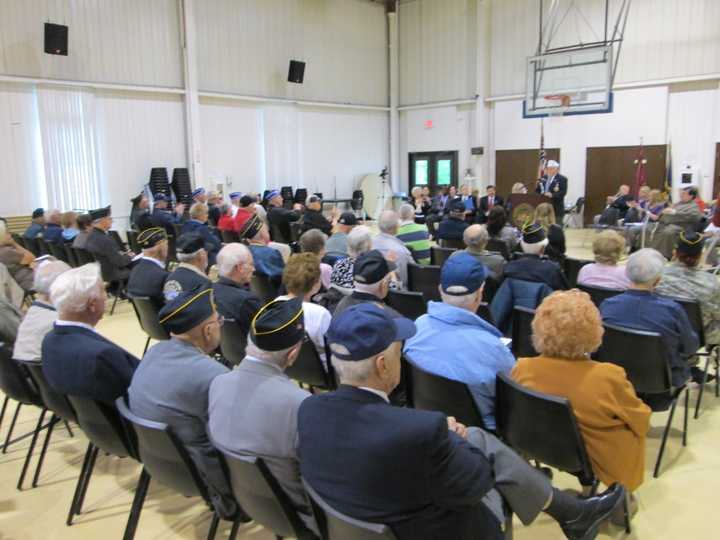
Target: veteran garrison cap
[[100, 213], [187, 310], [198, 191], [190, 243], [278, 325], [150, 238], [690, 243], [533, 233], [251, 227], [235, 195]]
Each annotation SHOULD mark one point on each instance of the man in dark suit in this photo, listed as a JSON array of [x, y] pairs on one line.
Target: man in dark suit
[[279, 217], [115, 265], [425, 475], [313, 217], [554, 186], [190, 273], [487, 203], [148, 276], [76, 359], [454, 225], [233, 297]]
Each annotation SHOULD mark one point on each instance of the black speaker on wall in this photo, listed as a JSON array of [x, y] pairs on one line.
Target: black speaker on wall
[[296, 73], [56, 39]]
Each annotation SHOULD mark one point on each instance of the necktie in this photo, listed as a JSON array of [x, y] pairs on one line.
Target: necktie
[[491, 202]]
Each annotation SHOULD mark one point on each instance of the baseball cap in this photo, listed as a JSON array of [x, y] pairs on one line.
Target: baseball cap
[[364, 330], [348, 218], [457, 206], [371, 267], [462, 274]]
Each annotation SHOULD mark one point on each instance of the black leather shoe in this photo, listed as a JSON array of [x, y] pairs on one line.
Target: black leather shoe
[[595, 510]]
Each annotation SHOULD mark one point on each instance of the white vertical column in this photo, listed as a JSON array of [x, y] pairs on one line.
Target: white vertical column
[[481, 136], [192, 102], [394, 52]]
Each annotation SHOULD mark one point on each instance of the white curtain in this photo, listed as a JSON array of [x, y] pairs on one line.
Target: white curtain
[[67, 130]]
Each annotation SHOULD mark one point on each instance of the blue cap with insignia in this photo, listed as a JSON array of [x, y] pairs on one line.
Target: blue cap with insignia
[[38, 212], [272, 194], [235, 195], [159, 197], [190, 243], [187, 310], [462, 274], [278, 325], [151, 237], [198, 191]]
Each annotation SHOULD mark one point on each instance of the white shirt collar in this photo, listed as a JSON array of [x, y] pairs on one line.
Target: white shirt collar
[[160, 264], [74, 323], [189, 266], [376, 392]]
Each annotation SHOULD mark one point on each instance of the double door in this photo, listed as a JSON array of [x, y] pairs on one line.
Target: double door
[[435, 170]]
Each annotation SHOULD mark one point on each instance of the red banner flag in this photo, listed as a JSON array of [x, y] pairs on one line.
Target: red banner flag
[[640, 162]]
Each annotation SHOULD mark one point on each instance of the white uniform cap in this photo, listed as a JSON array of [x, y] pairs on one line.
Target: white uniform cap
[[552, 163]]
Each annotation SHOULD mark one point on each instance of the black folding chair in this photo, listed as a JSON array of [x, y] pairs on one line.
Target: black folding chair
[[452, 244], [572, 269], [260, 495], [408, 304], [425, 280], [19, 240], [277, 235], [645, 359], [308, 368], [118, 240], [522, 345], [58, 251], [147, 315], [132, 241], [263, 287], [435, 393], [233, 341], [438, 255], [32, 245], [71, 256], [228, 237], [165, 459], [599, 294], [83, 256], [338, 526], [499, 246]]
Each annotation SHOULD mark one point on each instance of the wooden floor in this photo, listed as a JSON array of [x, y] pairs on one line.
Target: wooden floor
[[679, 505]]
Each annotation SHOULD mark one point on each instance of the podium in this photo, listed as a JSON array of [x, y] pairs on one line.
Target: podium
[[522, 207]]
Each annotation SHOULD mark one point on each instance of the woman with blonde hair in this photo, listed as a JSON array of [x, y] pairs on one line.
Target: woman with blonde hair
[[613, 421], [545, 216], [608, 247], [656, 204]]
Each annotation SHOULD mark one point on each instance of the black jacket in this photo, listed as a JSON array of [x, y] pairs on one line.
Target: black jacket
[[558, 189], [279, 219], [235, 302], [113, 264], [148, 279], [314, 219], [538, 269]]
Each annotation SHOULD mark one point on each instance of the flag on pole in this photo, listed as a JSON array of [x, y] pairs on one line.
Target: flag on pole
[[668, 172], [640, 173], [542, 154]]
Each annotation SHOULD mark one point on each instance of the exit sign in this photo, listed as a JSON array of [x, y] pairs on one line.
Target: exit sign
[[429, 124]]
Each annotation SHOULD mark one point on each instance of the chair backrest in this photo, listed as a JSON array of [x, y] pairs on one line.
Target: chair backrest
[[58, 251], [338, 526], [572, 269], [43, 246], [71, 256], [522, 345], [33, 245], [147, 315], [118, 239], [409, 304], [643, 356], [435, 393], [425, 280], [83, 256], [53, 400], [259, 494], [102, 425], [132, 241], [541, 427], [453, 244], [233, 341], [277, 235], [228, 236], [263, 287], [308, 368], [694, 313], [499, 246], [162, 454], [599, 294], [438, 255], [14, 381], [19, 240]]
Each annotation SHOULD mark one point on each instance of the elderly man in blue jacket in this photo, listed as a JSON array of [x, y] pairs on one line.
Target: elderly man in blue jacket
[[453, 342]]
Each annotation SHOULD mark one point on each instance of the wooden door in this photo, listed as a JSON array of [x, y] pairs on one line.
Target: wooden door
[[608, 167], [716, 182], [433, 169], [518, 166]]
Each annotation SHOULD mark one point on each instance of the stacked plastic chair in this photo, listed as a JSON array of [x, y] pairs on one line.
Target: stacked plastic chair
[[159, 181], [181, 186]]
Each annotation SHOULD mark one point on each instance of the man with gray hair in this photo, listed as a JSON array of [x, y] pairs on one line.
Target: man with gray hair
[[190, 273], [390, 246], [53, 229], [371, 282], [533, 266], [253, 409], [76, 359], [41, 315], [476, 238], [640, 308], [233, 297], [415, 236], [115, 263]]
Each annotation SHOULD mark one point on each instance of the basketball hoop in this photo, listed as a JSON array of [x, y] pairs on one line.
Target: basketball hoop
[[562, 105]]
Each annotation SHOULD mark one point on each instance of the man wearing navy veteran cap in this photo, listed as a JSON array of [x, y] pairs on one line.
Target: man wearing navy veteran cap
[[37, 227], [279, 216], [533, 266], [423, 474], [268, 261], [253, 409], [162, 216], [453, 342], [371, 282], [454, 225], [115, 264], [172, 383], [148, 276], [190, 273]]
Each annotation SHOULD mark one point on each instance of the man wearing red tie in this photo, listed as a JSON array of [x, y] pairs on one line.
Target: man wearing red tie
[[554, 186], [487, 203]]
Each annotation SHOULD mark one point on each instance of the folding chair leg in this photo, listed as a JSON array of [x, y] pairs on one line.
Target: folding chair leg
[[685, 421], [137, 505], [86, 483], [626, 511], [147, 344], [78, 486], [31, 449], [112, 309], [67, 426], [2, 414], [213, 526], [12, 426], [702, 388], [664, 439], [54, 420], [234, 530]]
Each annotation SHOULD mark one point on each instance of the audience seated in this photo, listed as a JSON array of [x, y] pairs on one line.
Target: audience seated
[[18, 260], [414, 236], [84, 222], [352, 441], [253, 409], [37, 227], [69, 224], [268, 261], [619, 202], [337, 243], [452, 341], [148, 276], [566, 329], [53, 230], [475, 238], [162, 216], [140, 218], [421, 204], [189, 274], [608, 247], [115, 265], [533, 266], [390, 246], [372, 274], [313, 217], [640, 308], [359, 241], [226, 221], [41, 315], [280, 217], [197, 224], [454, 225], [498, 229], [545, 216], [245, 211], [172, 382], [76, 359], [314, 241], [233, 297]]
